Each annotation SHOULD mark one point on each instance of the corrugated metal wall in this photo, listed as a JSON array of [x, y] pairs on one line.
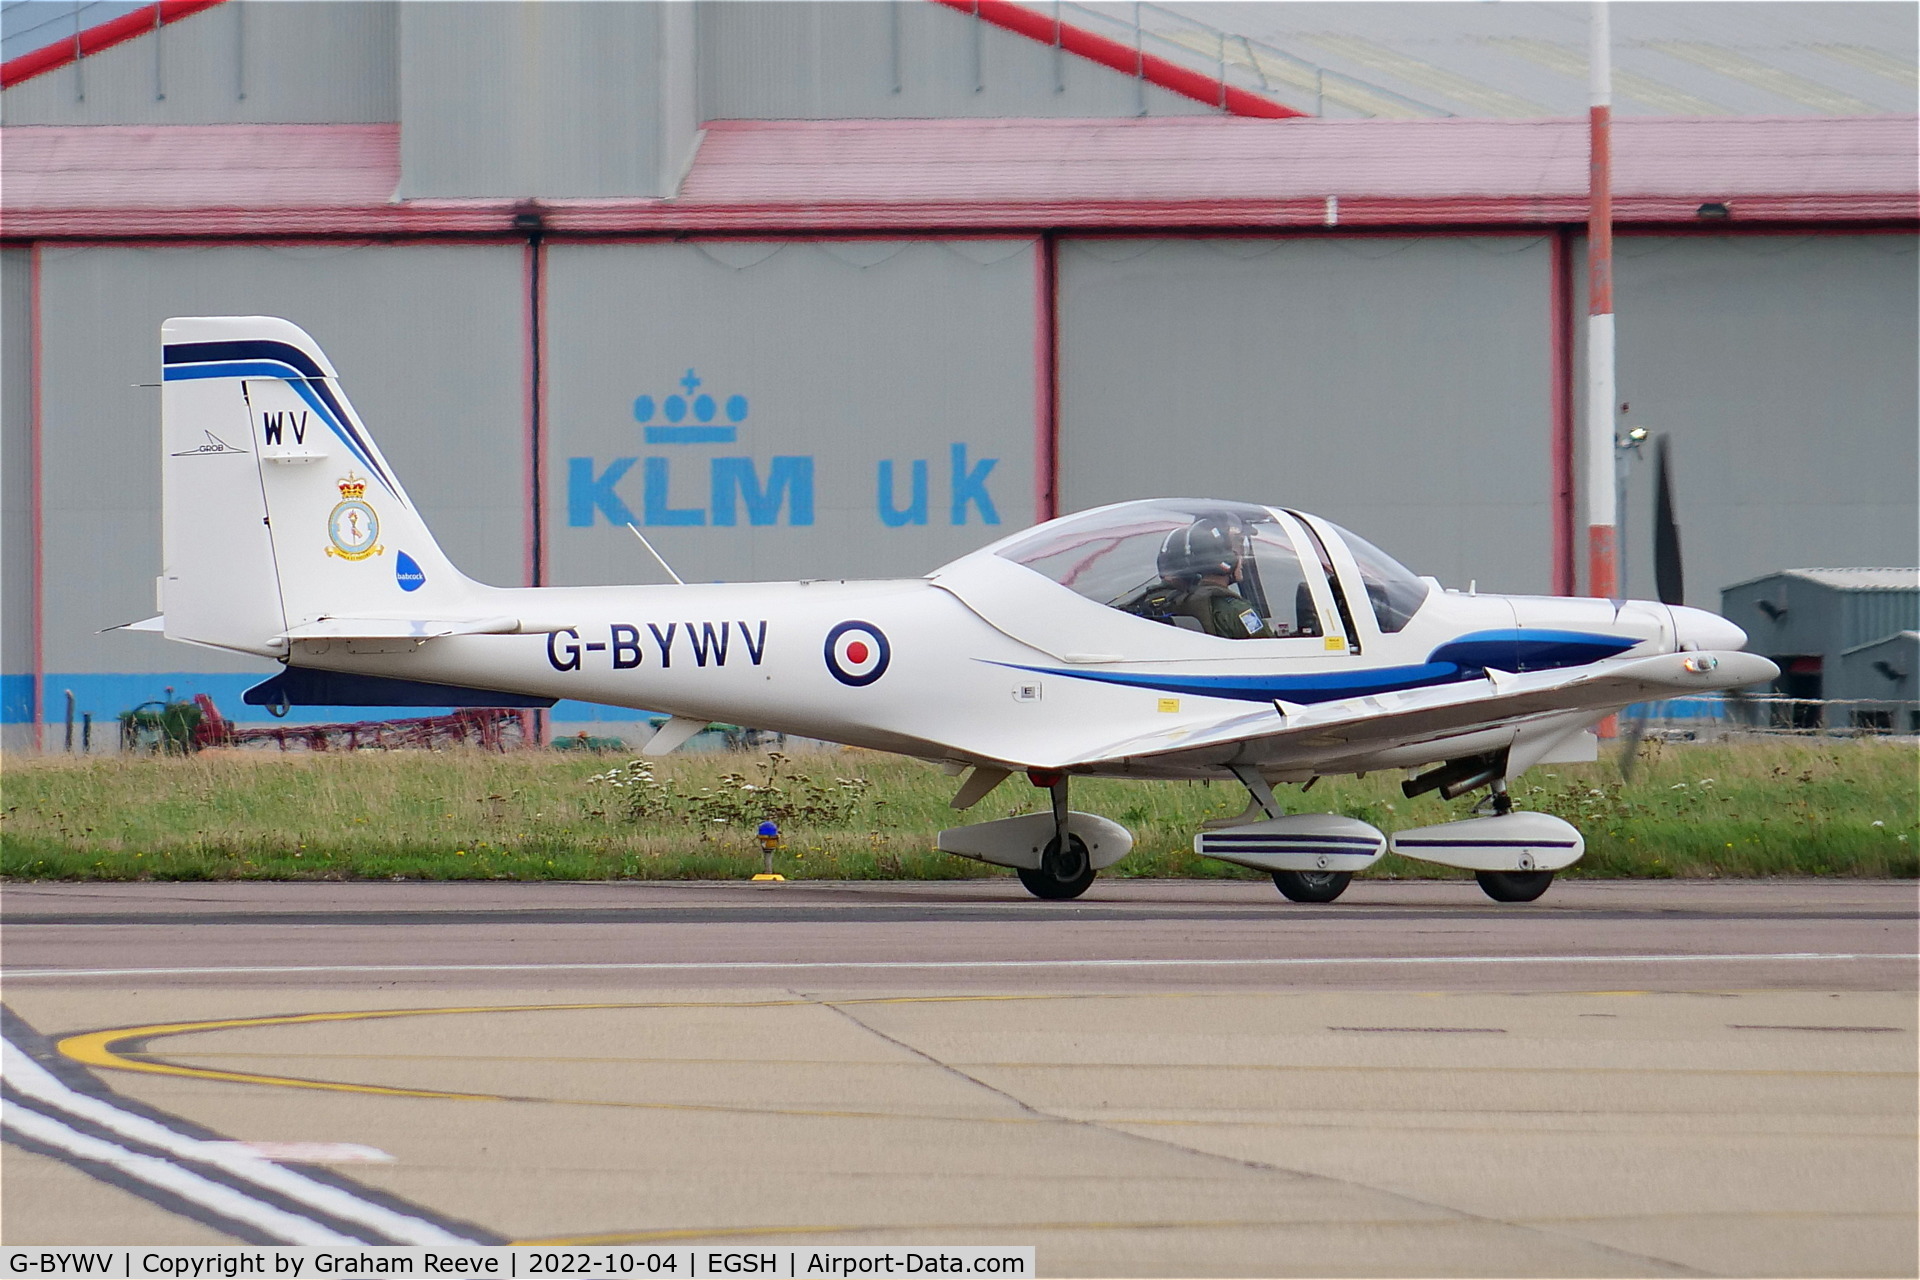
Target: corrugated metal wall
[[16, 497], [895, 59], [1812, 617], [554, 99], [430, 344], [1398, 385], [244, 62], [1786, 369], [1855, 676], [1875, 615], [832, 367]]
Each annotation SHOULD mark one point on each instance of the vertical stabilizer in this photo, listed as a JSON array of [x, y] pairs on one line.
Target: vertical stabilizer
[[278, 507]]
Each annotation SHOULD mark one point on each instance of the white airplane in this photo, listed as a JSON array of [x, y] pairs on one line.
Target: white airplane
[[1067, 650]]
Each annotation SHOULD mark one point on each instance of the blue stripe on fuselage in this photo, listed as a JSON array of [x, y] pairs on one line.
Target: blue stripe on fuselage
[[1461, 659], [1529, 649], [1325, 686]]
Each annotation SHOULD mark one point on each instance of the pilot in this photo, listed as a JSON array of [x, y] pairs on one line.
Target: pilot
[[1199, 566]]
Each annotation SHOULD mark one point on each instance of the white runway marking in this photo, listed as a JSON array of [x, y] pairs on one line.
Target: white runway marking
[[167, 1176], [685, 966], [36, 1082]]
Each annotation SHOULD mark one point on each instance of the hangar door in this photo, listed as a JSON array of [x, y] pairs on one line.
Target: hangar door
[[429, 343], [786, 408], [1399, 385], [1785, 369]]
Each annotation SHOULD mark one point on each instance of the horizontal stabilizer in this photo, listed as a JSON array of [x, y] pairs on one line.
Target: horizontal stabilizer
[[305, 687], [145, 624], [346, 628]]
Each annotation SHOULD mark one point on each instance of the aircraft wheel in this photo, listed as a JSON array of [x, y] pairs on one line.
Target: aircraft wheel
[[1514, 886], [1312, 886], [1060, 875]]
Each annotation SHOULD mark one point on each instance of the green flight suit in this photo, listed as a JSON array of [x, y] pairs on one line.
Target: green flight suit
[[1222, 613]]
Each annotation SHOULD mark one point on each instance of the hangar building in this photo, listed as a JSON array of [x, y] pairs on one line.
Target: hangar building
[[921, 272]]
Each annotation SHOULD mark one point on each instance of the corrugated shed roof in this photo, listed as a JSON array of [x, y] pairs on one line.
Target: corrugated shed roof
[[1846, 579], [1897, 638], [984, 174], [1862, 579]]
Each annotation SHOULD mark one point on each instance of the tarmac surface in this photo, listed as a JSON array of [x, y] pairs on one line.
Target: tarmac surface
[[1161, 1078]]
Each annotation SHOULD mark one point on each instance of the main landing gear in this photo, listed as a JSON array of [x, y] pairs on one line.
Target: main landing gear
[[1066, 868], [1056, 854]]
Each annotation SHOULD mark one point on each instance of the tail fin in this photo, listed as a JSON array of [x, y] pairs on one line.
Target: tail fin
[[277, 508]]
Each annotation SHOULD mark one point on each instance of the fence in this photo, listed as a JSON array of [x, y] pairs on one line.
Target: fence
[[1772, 714]]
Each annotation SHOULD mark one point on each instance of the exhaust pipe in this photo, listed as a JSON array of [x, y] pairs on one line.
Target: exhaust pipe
[[1457, 777]]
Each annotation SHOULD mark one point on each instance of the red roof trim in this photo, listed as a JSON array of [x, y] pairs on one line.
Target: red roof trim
[[1155, 70], [119, 30], [847, 177], [664, 218]]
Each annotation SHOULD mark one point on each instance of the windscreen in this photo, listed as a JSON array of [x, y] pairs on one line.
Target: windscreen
[[1393, 590], [1115, 558]]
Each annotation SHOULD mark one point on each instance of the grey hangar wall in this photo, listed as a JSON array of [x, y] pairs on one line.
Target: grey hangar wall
[[1404, 385]]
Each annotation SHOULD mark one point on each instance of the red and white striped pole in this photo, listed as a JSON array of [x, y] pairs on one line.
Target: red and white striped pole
[[1602, 558]]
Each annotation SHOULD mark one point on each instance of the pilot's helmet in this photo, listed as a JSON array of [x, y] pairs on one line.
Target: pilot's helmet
[[1209, 545]]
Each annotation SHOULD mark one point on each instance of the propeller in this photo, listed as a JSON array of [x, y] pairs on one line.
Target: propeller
[[1668, 579], [1669, 586]]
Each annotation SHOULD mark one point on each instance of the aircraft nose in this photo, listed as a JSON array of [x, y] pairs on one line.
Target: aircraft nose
[[1699, 629]]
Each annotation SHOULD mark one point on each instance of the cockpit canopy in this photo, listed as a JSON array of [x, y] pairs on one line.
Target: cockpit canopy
[[1121, 556]]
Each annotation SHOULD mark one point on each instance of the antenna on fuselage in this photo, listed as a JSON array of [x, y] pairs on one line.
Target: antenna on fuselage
[[678, 581]]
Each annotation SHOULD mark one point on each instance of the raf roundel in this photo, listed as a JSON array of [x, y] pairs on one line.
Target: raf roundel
[[857, 653]]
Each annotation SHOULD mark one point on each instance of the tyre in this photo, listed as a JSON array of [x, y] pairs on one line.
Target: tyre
[[1514, 886], [1060, 876], [1312, 886]]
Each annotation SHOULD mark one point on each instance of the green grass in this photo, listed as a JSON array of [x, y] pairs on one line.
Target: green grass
[[1771, 807]]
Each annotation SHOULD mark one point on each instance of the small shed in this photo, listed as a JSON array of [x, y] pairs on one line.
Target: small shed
[[1882, 680], [1827, 628]]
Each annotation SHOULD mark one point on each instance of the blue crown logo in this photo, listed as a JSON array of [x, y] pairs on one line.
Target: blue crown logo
[[704, 409]]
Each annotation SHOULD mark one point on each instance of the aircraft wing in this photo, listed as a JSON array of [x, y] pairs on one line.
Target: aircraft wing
[[1355, 725]]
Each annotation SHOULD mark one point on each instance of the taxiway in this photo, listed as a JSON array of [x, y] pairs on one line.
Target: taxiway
[[1188, 1078]]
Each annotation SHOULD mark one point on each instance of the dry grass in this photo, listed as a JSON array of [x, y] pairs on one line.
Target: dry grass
[[1767, 807]]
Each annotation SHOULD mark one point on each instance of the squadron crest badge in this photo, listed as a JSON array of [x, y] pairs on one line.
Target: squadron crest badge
[[352, 524]]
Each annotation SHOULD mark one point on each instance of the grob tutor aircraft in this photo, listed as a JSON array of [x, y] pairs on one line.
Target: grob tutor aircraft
[[1048, 653]]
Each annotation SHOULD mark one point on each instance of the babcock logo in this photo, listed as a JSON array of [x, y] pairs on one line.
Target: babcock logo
[[406, 571], [777, 490]]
